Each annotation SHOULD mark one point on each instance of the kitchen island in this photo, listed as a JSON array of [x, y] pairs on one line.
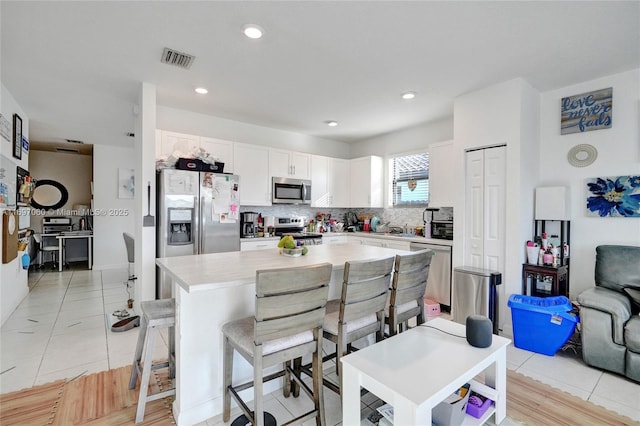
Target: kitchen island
[[212, 289]]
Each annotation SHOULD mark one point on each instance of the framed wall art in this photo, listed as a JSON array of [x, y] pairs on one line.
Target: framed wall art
[[616, 196], [587, 111], [17, 136]]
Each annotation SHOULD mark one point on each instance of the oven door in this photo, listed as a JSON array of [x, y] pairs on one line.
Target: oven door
[[291, 191]]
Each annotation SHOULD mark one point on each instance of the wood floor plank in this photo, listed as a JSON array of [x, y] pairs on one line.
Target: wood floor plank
[[104, 399]]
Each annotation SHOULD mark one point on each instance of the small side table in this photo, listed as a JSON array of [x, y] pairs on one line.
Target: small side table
[[556, 276]]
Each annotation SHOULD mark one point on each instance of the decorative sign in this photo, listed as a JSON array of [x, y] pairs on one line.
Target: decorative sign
[[17, 136], [25, 144], [587, 111], [617, 196], [5, 128]]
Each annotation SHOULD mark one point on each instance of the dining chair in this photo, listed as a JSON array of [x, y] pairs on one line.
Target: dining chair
[[289, 309], [406, 296], [45, 247], [360, 310]]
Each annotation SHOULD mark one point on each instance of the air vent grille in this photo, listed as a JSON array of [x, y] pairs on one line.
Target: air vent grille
[[74, 141], [67, 149], [179, 59]]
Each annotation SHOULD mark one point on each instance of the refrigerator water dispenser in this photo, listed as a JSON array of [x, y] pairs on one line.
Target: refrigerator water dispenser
[[180, 226]]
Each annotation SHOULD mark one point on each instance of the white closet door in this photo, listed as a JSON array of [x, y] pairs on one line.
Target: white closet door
[[485, 208], [474, 209], [494, 208]]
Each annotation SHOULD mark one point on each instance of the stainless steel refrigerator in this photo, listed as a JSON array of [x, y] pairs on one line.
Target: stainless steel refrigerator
[[198, 213]]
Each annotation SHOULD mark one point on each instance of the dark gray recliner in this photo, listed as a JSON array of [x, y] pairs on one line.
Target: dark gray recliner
[[609, 312]]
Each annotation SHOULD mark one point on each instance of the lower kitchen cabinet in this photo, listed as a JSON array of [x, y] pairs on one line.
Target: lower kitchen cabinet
[[334, 239], [259, 244], [381, 242]]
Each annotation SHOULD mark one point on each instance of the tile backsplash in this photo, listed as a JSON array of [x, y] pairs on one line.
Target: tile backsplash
[[395, 216]]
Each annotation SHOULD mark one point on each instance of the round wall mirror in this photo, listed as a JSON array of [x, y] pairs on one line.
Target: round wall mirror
[[49, 195]]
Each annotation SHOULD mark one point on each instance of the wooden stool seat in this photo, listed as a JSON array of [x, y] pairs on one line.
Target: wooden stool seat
[[156, 314]]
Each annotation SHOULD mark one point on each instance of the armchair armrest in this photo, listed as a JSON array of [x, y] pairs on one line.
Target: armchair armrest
[[612, 302]]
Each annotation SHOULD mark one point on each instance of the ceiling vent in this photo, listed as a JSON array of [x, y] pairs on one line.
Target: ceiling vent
[[60, 149], [179, 59], [74, 141]]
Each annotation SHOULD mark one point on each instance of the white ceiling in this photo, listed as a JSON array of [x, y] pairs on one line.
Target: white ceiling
[[76, 67]]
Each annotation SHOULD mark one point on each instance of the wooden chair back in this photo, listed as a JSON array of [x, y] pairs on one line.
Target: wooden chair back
[[290, 300], [364, 288], [410, 277]]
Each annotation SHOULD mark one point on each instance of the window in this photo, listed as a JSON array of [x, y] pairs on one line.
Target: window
[[409, 180]]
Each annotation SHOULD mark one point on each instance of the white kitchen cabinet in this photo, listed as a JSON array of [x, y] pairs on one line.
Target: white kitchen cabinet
[[398, 245], [171, 142], [381, 242], [291, 164], [251, 163], [334, 239], [441, 174], [329, 182], [221, 149], [367, 186], [258, 244]]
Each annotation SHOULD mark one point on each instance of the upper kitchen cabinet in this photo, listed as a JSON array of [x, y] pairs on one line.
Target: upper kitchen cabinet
[[367, 187], [329, 182], [441, 174], [220, 149], [252, 165], [284, 163], [171, 142]]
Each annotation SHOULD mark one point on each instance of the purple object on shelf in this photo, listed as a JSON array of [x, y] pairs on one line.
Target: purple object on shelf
[[478, 405]]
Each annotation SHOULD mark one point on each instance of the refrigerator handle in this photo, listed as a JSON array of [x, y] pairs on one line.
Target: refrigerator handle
[[200, 245], [196, 225]]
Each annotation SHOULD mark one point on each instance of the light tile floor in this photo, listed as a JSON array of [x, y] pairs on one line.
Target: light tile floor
[[62, 330]]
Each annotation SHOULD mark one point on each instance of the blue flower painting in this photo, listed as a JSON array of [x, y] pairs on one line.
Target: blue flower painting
[[614, 196]]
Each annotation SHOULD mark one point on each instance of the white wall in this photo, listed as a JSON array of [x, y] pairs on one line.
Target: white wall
[[108, 244], [13, 279], [405, 140], [618, 154], [206, 125], [506, 113]]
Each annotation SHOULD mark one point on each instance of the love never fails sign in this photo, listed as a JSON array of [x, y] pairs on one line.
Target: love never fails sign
[[587, 111]]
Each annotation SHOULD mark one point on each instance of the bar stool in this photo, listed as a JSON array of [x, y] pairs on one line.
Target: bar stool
[[156, 314], [406, 298], [360, 310], [287, 325]]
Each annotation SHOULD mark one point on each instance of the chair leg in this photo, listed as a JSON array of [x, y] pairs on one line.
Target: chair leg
[[172, 353], [297, 368], [286, 384], [227, 368], [142, 335], [258, 405], [146, 374], [318, 395]]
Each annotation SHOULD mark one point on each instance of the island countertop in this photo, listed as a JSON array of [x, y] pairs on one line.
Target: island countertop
[[219, 270], [212, 289]]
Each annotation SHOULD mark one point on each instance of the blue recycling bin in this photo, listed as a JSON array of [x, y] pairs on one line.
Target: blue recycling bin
[[541, 324]]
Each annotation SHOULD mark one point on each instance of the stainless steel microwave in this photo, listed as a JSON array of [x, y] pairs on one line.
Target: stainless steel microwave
[[290, 191]]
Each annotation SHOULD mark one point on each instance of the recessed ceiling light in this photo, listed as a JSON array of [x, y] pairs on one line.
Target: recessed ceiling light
[[408, 95], [201, 90], [331, 123], [252, 31]]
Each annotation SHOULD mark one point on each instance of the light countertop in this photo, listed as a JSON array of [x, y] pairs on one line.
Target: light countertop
[[220, 270], [395, 237]]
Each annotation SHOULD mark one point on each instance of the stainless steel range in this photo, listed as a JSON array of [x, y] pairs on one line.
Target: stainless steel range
[[295, 226]]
